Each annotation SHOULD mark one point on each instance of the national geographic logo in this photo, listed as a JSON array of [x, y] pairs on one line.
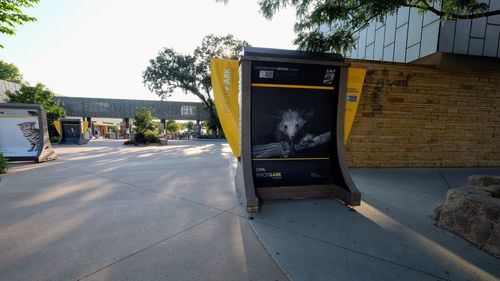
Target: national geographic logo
[[263, 173], [227, 89]]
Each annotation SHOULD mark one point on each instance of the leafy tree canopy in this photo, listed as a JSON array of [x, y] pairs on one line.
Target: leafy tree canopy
[[10, 72], [11, 15], [39, 95], [189, 126], [172, 126], [143, 120], [331, 25], [190, 73]]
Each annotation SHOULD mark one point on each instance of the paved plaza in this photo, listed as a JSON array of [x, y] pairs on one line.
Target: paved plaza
[[105, 211]]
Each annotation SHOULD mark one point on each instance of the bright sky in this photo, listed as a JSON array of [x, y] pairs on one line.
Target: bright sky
[[99, 48]]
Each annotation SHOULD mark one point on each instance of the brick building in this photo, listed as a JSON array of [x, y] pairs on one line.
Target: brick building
[[431, 96]]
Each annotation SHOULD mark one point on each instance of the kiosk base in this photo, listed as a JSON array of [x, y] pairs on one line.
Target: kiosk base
[[245, 195]]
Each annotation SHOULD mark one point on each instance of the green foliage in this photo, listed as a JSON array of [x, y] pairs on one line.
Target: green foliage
[[54, 139], [144, 138], [10, 72], [129, 142], [171, 70], [189, 126], [152, 137], [11, 15], [172, 126], [143, 120], [3, 164], [39, 95], [211, 137], [331, 25], [113, 128]]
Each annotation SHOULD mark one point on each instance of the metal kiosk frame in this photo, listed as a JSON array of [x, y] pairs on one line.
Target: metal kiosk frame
[[47, 153], [342, 186], [73, 121]]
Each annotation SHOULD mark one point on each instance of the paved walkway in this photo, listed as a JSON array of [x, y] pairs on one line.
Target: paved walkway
[[391, 236], [105, 211]]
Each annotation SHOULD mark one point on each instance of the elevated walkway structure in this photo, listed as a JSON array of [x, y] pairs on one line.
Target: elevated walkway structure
[[122, 108]]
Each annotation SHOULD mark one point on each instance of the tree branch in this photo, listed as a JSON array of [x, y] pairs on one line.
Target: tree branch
[[455, 16]]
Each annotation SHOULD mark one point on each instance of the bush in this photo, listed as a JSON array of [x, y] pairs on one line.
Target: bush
[[211, 137], [54, 139], [144, 138], [129, 142], [139, 138], [3, 164], [152, 137]]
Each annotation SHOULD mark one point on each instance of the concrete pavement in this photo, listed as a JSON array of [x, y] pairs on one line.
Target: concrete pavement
[[391, 236], [105, 211]]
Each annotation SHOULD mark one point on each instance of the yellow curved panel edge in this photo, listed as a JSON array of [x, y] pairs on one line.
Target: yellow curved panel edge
[[57, 124], [225, 88], [355, 80], [85, 126]]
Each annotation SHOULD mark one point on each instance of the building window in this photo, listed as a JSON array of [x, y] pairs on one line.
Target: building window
[[188, 110]]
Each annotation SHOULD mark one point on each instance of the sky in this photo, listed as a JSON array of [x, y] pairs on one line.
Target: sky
[[99, 48]]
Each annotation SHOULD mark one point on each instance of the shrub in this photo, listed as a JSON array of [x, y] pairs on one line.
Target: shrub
[[54, 139], [139, 138], [143, 120], [129, 142], [3, 164], [151, 137]]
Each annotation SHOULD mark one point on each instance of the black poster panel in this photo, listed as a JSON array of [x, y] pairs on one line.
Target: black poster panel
[[292, 124]]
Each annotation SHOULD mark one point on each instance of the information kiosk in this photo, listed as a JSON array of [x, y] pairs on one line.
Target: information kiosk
[[291, 108], [23, 133]]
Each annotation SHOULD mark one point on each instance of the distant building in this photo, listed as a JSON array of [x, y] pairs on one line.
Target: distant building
[[7, 86], [409, 36]]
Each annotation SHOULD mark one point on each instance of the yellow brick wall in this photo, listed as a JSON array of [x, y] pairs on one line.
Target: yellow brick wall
[[423, 116]]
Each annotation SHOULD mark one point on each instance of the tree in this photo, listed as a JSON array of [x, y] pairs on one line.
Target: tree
[[11, 15], [39, 95], [190, 73], [331, 25], [143, 120], [173, 127], [189, 126], [10, 72]]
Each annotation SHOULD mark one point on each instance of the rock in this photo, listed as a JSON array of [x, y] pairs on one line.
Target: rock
[[437, 212], [479, 180], [492, 246], [163, 141], [473, 212]]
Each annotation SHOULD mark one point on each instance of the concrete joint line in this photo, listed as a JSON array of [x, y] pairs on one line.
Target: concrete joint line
[[353, 251], [152, 190], [444, 178], [150, 246]]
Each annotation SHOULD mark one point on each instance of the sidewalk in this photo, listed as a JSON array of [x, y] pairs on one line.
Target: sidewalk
[[105, 211], [391, 236]]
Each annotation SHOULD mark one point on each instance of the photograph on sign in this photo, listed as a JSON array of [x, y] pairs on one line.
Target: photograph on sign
[[292, 123], [19, 133]]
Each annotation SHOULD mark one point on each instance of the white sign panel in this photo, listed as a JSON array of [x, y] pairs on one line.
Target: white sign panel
[[19, 133]]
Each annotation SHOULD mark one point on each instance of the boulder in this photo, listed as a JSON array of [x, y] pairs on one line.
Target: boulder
[[473, 212]]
